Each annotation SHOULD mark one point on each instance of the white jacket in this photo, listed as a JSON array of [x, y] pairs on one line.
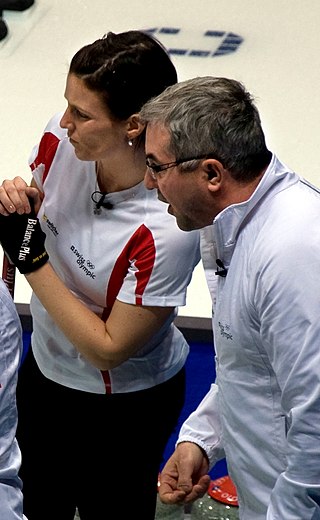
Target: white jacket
[[264, 410], [10, 457]]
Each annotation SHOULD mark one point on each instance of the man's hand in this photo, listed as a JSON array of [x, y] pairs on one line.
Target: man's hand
[[23, 241], [184, 477]]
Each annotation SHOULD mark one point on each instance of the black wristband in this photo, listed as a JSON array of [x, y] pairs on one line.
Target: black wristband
[[23, 241]]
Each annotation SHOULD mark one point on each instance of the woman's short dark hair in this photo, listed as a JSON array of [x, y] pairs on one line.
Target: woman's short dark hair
[[128, 69]]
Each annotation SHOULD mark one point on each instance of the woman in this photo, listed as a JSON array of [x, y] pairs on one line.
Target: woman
[[105, 374]]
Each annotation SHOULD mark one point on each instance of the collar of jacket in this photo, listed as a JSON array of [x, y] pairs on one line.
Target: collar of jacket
[[228, 224]]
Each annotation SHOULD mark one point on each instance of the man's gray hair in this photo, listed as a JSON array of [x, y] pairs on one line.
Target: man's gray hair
[[214, 116]]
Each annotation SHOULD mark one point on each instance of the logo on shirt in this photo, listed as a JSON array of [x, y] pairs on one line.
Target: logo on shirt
[[225, 331], [86, 265], [50, 225]]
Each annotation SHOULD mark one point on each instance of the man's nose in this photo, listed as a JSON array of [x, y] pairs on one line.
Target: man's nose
[[149, 182]]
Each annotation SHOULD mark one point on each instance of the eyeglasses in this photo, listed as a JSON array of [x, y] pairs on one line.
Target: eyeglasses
[[156, 169]]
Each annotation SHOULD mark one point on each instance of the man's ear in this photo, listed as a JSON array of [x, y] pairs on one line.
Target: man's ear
[[213, 170], [134, 127]]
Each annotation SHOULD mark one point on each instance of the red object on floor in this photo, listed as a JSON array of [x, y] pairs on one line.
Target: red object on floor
[[224, 490]]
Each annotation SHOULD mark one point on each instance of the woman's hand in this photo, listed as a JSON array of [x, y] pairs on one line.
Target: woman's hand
[[14, 197]]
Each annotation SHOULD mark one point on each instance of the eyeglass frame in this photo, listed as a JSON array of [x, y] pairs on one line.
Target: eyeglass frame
[[158, 168]]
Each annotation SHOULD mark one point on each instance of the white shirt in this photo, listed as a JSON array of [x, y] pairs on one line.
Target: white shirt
[[134, 253]]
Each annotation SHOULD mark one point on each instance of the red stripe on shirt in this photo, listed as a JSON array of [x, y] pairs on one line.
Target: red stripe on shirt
[[139, 251], [46, 152]]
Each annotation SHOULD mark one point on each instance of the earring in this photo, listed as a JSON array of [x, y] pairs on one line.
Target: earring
[[130, 143]]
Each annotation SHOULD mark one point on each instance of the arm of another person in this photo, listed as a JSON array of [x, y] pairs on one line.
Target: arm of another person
[[10, 458]]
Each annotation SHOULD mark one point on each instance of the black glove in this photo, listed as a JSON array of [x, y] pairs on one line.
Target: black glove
[[23, 241]]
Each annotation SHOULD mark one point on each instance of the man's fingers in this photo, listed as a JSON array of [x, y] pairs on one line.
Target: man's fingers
[[172, 497], [199, 489]]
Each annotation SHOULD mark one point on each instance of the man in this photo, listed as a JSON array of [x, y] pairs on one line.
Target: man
[[207, 157], [10, 459]]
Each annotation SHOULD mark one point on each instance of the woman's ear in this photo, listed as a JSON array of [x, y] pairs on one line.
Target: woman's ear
[[134, 126]]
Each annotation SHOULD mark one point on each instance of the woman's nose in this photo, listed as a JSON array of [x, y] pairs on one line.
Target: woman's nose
[[66, 121]]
